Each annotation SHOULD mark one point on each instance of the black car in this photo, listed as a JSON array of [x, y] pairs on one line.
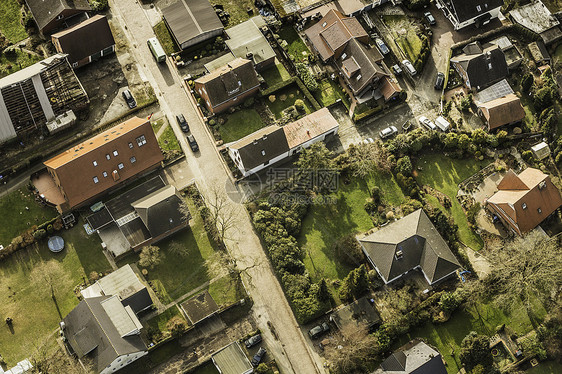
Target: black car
[[439, 81], [182, 122], [319, 330], [429, 18], [252, 341], [258, 356], [192, 143], [129, 99]]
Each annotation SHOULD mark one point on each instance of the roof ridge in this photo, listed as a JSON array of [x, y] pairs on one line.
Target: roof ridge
[[100, 325]]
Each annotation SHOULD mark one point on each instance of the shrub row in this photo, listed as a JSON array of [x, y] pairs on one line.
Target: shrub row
[[366, 114], [32, 235], [306, 76], [271, 89], [308, 95]]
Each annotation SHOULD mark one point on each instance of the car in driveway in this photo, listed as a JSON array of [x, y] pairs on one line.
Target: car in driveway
[[182, 122], [192, 143], [253, 341], [129, 99], [409, 67], [439, 81], [397, 69], [318, 331], [388, 132], [381, 46], [368, 141], [429, 18], [258, 356], [427, 123]]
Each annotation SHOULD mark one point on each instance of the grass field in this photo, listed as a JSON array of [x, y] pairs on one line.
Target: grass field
[[296, 46], [444, 174], [15, 218], [547, 367], [275, 74], [165, 38], [160, 321], [168, 140], [226, 290], [239, 124], [11, 63], [29, 302], [10, 21], [329, 92], [325, 224], [291, 93], [406, 35], [237, 10]]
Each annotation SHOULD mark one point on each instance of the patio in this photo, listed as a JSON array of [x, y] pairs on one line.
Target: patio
[[47, 188]]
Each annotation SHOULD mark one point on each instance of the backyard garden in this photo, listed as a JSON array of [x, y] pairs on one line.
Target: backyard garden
[[410, 38], [295, 46]]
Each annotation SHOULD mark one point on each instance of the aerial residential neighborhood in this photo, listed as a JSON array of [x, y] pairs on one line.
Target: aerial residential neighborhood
[[281, 186]]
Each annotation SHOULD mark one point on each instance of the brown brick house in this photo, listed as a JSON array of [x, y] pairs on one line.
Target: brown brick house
[[229, 85], [103, 162], [51, 15], [523, 201], [502, 111]]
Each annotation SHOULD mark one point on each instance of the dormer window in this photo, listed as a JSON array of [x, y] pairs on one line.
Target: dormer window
[[539, 210], [358, 77], [478, 8], [399, 254], [542, 185], [263, 152], [324, 24], [343, 56], [95, 163], [115, 153], [524, 206]]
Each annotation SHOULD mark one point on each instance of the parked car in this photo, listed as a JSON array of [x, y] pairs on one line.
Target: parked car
[[368, 140], [258, 356], [427, 123], [192, 143], [388, 132], [409, 67], [319, 330], [439, 81], [253, 341], [429, 18], [129, 99], [381, 46], [397, 69], [182, 122]]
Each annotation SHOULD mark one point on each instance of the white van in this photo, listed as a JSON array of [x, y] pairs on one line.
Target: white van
[[442, 123], [409, 67]]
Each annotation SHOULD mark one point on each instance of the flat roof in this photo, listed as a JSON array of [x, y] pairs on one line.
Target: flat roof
[[232, 360], [248, 38], [29, 71], [199, 307], [121, 205], [191, 18]]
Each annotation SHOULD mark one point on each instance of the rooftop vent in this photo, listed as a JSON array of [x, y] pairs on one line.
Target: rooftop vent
[[399, 254]]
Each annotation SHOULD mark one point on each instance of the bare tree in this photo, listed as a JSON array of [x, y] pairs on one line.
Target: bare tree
[[221, 212], [52, 274], [367, 158], [354, 351], [150, 256], [48, 357]]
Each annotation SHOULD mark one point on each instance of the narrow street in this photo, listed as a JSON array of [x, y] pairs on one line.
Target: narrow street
[[292, 352]]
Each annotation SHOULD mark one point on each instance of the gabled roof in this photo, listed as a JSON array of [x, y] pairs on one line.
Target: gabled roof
[[534, 16], [413, 358], [86, 38], [538, 51], [484, 64], [229, 81], [368, 65], [358, 312], [261, 146], [465, 10], [90, 331], [406, 244], [247, 38], [502, 111], [526, 199], [309, 127], [45, 11], [190, 18], [332, 32]]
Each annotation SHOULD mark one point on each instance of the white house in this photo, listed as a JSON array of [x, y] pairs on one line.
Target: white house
[[274, 143], [463, 13]]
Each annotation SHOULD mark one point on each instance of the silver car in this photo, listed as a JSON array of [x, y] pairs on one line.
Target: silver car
[[388, 132], [427, 123]]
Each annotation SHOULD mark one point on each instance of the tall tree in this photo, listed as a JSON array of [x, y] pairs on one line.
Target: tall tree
[[354, 352], [150, 256], [475, 350], [51, 274], [367, 158]]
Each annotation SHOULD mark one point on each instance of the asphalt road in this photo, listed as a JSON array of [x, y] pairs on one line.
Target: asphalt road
[[290, 349]]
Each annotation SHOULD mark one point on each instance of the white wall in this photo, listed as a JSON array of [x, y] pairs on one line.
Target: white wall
[[123, 361]]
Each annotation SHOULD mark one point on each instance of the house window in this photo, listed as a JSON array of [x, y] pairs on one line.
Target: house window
[[489, 66], [95, 163], [115, 153], [141, 140], [263, 152], [524, 206], [324, 24], [74, 64], [104, 174], [60, 16], [539, 210], [478, 8], [107, 156], [133, 160], [96, 180], [131, 145], [121, 166]]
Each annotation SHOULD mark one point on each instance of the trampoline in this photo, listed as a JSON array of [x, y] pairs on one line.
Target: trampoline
[[55, 244]]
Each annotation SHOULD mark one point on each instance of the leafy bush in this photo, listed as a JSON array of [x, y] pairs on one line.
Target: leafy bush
[[306, 76], [299, 104], [416, 4], [348, 250], [355, 284], [466, 102], [262, 368], [449, 302], [527, 82], [249, 102], [404, 166], [99, 5]]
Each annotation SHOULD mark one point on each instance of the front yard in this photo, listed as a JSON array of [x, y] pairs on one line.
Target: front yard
[[239, 124], [444, 174], [28, 301]]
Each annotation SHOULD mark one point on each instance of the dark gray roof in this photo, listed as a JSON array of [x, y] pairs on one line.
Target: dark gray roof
[[466, 10], [99, 219], [85, 38], [359, 311], [199, 307], [415, 357], [45, 11], [395, 362], [125, 283], [485, 68], [360, 65], [191, 18], [420, 243], [89, 328], [261, 146]]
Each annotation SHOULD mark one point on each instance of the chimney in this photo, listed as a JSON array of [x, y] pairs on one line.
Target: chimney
[[308, 133]]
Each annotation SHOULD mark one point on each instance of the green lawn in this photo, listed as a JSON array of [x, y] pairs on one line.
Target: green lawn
[[325, 224], [291, 93], [239, 124], [226, 290], [188, 255], [444, 174], [483, 319], [547, 367], [15, 219], [168, 140], [237, 10], [165, 38], [160, 321], [156, 125], [530, 119], [275, 74], [296, 46], [406, 35], [29, 303], [11, 63], [329, 93], [10, 21]]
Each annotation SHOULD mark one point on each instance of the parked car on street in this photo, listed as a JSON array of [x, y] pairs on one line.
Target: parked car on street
[[409, 67], [192, 143], [388, 132], [427, 123], [368, 140], [252, 341], [319, 330], [381, 46], [439, 81], [258, 356], [397, 69], [182, 122], [429, 18], [129, 99]]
